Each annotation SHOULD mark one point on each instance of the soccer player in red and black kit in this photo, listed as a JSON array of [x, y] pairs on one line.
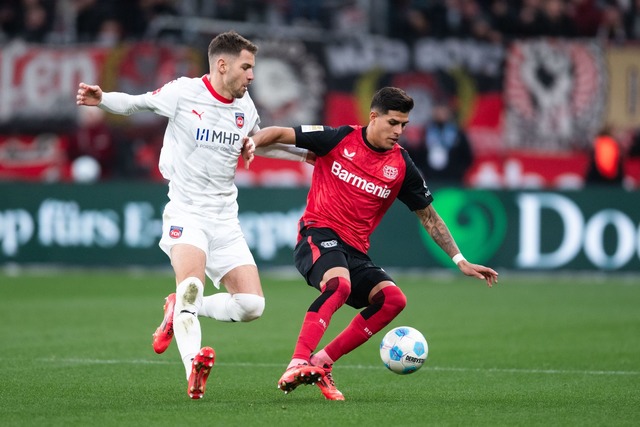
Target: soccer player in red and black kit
[[359, 172]]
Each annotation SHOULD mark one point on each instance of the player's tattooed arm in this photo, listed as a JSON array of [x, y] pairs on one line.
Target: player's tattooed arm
[[439, 232], [437, 229]]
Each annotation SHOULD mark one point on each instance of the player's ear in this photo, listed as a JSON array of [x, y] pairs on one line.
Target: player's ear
[[221, 64]]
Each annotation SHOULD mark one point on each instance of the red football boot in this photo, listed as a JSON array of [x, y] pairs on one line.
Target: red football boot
[[297, 375], [200, 369], [164, 334]]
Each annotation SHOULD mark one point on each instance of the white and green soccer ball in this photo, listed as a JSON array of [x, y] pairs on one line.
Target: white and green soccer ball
[[403, 350]]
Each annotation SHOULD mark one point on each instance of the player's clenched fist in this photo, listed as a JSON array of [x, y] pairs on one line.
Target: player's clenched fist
[[88, 94]]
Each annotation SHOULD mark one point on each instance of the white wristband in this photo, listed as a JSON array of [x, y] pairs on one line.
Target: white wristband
[[457, 258]]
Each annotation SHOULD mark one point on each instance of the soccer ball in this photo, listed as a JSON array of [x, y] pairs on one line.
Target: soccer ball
[[403, 350]]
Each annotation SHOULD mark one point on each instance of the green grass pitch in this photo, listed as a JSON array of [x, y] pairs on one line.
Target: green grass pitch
[[75, 350]]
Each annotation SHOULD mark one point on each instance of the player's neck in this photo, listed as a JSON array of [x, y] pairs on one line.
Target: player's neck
[[216, 87], [366, 133]]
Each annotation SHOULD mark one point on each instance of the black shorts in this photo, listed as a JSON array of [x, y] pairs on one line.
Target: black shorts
[[320, 249]]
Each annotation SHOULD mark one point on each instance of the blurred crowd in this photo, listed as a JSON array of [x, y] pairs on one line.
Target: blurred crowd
[[445, 151], [502, 20], [110, 21]]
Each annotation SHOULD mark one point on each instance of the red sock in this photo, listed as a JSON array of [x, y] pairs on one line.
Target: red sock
[[318, 316], [387, 304]]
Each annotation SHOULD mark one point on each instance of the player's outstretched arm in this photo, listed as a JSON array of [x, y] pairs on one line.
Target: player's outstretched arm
[[274, 134], [90, 95], [274, 142], [439, 232]]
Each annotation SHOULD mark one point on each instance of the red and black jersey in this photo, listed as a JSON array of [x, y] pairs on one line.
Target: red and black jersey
[[354, 183]]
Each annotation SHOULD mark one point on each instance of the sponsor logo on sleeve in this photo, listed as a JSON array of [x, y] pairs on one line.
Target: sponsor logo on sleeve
[[312, 128]]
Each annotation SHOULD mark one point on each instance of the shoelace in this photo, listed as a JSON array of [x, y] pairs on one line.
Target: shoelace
[[329, 377]]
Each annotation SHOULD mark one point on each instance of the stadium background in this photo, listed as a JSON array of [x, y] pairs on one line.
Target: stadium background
[[532, 86]]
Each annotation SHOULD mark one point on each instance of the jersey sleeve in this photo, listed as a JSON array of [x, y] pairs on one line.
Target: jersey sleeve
[[414, 191], [123, 103], [162, 101], [283, 151], [320, 139]]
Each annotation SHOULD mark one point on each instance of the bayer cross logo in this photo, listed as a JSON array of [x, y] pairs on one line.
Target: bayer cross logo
[[390, 172]]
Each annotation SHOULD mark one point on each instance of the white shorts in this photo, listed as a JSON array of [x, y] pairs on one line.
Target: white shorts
[[221, 240]]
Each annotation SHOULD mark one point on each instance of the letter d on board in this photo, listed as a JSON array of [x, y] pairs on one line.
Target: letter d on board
[[531, 230]]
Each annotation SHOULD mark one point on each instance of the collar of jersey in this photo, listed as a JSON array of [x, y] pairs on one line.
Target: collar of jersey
[[213, 92], [368, 144]]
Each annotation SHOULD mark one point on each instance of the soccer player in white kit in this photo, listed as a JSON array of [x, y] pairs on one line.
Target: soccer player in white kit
[[208, 118]]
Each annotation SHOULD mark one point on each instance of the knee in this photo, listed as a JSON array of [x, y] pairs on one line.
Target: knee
[[250, 306], [394, 299], [339, 286]]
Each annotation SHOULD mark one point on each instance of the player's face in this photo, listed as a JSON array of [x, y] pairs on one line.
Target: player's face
[[384, 130], [239, 73]]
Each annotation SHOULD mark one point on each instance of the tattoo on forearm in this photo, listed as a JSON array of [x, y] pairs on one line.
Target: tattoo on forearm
[[438, 230]]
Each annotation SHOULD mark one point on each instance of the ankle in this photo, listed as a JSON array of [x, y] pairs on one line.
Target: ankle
[[321, 359], [297, 361]]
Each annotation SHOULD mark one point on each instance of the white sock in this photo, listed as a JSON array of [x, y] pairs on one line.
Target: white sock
[[186, 326], [232, 307]]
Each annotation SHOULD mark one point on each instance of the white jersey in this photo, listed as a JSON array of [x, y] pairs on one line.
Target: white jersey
[[202, 142]]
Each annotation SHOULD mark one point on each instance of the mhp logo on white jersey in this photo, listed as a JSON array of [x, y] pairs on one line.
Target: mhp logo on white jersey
[[222, 137]]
